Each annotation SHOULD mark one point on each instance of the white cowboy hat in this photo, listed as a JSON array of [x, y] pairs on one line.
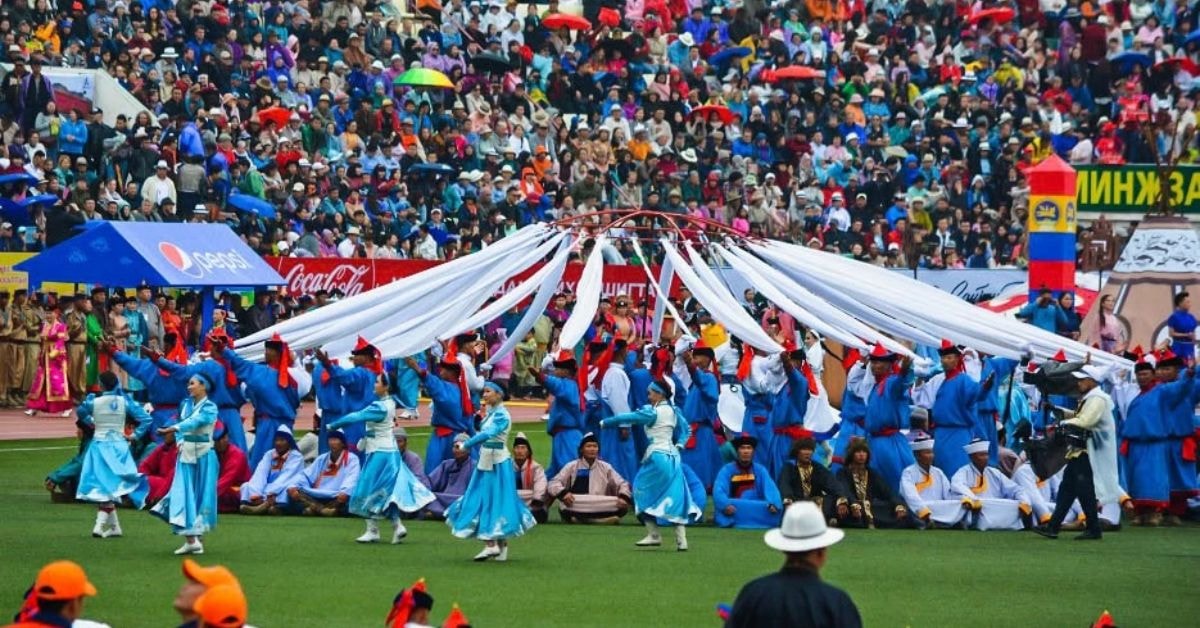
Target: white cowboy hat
[[803, 529], [689, 155]]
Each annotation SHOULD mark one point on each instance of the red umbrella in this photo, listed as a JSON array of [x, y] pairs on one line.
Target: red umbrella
[[1179, 63], [570, 22], [708, 111], [278, 115], [1001, 15], [794, 72]]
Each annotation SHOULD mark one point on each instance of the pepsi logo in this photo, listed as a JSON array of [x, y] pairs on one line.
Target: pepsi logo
[[197, 264], [179, 258]]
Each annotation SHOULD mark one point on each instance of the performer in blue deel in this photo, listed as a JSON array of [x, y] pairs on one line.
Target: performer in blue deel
[[190, 506], [565, 424], [109, 472], [331, 400], [660, 490], [451, 412], [163, 391], [226, 392], [744, 495], [617, 446], [700, 407], [357, 383], [763, 384], [272, 391], [491, 510], [992, 406], [887, 414], [386, 487], [953, 399], [788, 419]]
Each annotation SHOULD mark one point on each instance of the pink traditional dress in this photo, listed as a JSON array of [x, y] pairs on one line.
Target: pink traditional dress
[[49, 390]]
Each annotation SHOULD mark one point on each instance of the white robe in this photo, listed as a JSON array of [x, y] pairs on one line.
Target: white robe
[[1102, 448], [999, 501], [928, 493]]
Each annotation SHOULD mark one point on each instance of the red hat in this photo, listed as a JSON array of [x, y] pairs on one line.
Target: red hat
[[409, 599], [285, 360], [565, 359], [879, 353], [949, 348], [364, 348], [1061, 356], [1166, 357], [456, 618]]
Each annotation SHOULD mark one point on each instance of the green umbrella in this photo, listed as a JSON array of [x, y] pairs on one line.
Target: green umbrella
[[424, 77]]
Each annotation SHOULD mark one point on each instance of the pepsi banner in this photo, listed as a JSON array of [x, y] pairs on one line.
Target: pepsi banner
[[126, 254]]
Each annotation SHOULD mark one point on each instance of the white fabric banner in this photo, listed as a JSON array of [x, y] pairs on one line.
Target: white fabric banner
[[540, 300], [587, 298], [724, 308]]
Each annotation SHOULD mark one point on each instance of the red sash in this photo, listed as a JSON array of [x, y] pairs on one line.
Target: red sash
[[795, 432], [442, 431], [759, 420], [1189, 448], [887, 431], [691, 441]]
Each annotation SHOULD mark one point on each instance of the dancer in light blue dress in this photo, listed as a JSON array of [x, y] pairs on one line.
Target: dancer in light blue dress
[[109, 471], [491, 510], [190, 506], [385, 487], [660, 490]]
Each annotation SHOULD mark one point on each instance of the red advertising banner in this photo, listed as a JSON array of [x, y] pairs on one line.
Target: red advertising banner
[[307, 275]]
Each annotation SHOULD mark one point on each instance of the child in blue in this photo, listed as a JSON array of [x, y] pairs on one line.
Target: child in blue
[[109, 472], [385, 487], [190, 506], [491, 510]]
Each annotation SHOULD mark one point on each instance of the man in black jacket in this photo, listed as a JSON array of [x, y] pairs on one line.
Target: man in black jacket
[[795, 596], [809, 481]]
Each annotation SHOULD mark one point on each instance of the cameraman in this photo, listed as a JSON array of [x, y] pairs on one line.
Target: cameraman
[[1091, 473]]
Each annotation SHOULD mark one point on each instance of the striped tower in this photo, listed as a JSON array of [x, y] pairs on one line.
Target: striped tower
[[1051, 227]]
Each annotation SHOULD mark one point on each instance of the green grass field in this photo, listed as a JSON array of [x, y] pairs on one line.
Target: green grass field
[[309, 572]]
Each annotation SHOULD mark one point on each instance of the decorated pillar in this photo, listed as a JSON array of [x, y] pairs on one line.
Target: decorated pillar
[[1051, 226]]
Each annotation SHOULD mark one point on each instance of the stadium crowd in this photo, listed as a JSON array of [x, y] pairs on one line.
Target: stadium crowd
[[291, 122]]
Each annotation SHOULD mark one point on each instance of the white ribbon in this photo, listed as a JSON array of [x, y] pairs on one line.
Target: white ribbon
[[587, 298]]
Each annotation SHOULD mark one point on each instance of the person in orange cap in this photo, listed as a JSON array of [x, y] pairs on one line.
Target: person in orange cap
[[58, 594], [222, 606], [198, 581], [411, 607]]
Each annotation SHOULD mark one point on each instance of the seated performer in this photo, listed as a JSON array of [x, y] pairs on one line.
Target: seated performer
[[926, 489], [449, 480], [991, 500], [1043, 494], [235, 470], [267, 490], [63, 481], [326, 485], [872, 502], [590, 490], [410, 458], [531, 478], [159, 466], [808, 481], [744, 495]]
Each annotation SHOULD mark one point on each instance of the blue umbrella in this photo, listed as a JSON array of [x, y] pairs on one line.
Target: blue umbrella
[[18, 177], [434, 168], [1126, 60], [14, 212], [45, 199], [252, 204], [729, 54]]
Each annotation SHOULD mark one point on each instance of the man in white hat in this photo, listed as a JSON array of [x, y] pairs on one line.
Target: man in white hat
[[159, 186], [989, 498], [795, 596], [1091, 473], [926, 489]]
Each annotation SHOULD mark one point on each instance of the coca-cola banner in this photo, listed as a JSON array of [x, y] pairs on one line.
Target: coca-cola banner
[[307, 275]]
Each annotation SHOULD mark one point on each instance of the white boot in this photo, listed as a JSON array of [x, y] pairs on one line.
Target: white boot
[[681, 538], [190, 547], [101, 519], [653, 538], [399, 533], [372, 533], [503, 555], [114, 525], [489, 551]]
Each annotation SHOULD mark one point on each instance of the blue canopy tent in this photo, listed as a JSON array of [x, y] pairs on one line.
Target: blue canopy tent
[[162, 255]]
